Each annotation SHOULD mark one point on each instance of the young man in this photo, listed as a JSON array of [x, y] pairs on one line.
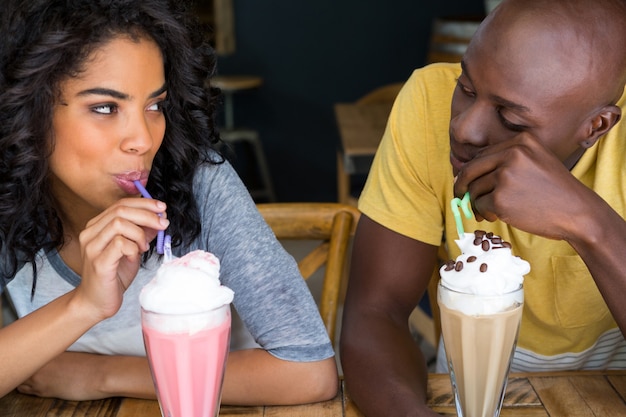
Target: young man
[[528, 125]]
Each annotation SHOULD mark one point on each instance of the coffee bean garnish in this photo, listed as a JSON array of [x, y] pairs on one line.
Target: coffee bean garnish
[[486, 240]]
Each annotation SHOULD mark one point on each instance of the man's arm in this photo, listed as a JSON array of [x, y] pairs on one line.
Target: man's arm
[[385, 371]]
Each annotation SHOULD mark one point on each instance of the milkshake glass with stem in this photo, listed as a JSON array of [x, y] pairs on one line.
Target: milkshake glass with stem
[[479, 337], [186, 321], [480, 298], [187, 355]]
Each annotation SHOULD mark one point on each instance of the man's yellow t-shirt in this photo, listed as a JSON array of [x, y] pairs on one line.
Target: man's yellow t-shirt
[[566, 323]]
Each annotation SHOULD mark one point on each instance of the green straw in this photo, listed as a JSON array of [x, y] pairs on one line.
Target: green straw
[[465, 206]]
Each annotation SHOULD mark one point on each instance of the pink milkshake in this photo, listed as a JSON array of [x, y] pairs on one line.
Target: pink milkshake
[[186, 326]]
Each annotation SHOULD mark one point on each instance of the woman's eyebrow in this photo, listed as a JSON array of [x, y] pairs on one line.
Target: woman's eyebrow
[[160, 91], [104, 92], [100, 91]]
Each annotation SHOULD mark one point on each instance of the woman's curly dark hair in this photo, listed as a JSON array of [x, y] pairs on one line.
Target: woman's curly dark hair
[[44, 42]]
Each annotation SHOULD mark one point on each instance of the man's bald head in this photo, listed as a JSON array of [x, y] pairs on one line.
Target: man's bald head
[[574, 43]]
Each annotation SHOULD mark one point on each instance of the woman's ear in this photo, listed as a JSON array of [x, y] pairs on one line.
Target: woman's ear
[[601, 123]]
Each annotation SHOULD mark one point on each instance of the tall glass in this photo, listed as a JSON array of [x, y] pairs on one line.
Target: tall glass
[[187, 355], [479, 336]]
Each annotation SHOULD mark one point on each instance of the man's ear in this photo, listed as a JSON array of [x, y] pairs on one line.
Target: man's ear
[[601, 123]]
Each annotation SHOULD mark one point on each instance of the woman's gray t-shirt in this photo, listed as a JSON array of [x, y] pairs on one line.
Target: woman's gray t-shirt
[[271, 297]]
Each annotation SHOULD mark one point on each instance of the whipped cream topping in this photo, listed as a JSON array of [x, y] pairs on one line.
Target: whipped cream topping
[[486, 267], [186, 285]]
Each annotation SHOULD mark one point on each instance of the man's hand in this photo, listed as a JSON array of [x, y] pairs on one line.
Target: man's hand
[[523, 184]]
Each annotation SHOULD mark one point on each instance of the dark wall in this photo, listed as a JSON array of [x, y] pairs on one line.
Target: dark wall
[[312, 54]]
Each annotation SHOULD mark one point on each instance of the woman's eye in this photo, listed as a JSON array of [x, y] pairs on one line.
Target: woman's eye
[[104, 109], [156, 107]]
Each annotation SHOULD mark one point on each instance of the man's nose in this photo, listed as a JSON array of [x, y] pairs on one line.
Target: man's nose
[[471, 126]]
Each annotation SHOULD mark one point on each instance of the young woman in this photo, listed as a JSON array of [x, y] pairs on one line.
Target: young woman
[[93, 96]]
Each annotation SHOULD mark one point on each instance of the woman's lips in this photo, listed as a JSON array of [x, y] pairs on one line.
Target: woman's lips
[[126, 181]]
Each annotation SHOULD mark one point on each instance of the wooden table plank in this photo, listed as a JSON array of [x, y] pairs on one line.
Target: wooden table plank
[[523, 412], [132, 407], [233, 410], [619, 383], [520, 393], [553, 390], [598, 394], [444, 411], [330, 408], [520, 399], [25, 406], [440, 391], [97, 408]]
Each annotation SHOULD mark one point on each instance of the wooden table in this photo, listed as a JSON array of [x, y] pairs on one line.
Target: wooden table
[[563, 394]]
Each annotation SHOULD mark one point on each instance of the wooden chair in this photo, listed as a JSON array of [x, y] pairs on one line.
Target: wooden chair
[[332, 224], [384, 94], [361, 127]]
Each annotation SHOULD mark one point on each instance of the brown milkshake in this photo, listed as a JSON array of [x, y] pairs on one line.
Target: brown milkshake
[[481, 298], [479, 350]]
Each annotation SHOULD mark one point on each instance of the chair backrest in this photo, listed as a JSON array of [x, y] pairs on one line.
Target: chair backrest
[[333, 225], [384, 94]]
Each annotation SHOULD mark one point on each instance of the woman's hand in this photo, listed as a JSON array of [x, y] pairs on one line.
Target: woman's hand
[[87, 376], [69, 376], [111, 246]]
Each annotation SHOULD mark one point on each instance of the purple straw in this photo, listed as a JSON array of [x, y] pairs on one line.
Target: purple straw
[[161, 234]]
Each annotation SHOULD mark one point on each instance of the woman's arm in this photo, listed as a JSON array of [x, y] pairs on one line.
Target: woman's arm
[[110, 254], [253, 377], [29, 343]]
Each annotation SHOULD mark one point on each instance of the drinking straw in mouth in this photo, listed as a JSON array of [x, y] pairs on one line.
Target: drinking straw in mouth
[[465, 207], [164, 242]]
